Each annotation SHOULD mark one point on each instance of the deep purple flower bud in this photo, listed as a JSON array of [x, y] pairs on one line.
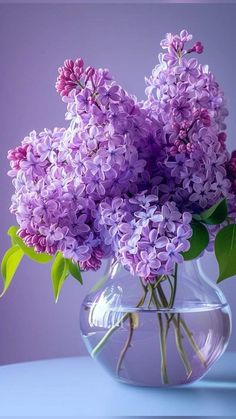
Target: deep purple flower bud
[[69, 76], [16, 156], [222, 138], [233, 186], [94, 263], [232, 165], [173, 150], [79, 63], [196, 113], [197, 47], [90, 71], [190, 147], [22, 233], [182, 148], [177, 143], [185, 125], [205, 118], [182, 134]]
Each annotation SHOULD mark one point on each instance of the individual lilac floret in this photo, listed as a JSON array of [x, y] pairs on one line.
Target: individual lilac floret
[[148, 239]]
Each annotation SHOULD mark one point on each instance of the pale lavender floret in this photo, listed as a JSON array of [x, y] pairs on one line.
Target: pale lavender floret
[[181, 108], [83, 100], [144, 217], [110, 94], [172, 255], [53, 233], [188, 71], [147, 263]]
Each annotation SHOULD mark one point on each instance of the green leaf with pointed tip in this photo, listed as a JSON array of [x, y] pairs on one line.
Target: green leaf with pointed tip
[[225, 251], [74, 270], [28, 251], [9, 265], [59, 273], [198, 241], [215, 214]]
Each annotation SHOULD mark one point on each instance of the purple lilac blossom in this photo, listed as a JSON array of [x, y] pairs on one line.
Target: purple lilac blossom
[[124, 178], [184, 97], [147, 238]]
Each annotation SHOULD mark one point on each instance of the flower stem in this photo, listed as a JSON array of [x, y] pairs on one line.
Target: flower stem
[[185, 328], [108, 334], [178, 337], [179, 345], [192, 342], [163, 337], [127, 345], [116, 326], [173, 294]]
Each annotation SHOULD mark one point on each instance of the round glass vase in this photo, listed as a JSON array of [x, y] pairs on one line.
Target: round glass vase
[[168, 332]]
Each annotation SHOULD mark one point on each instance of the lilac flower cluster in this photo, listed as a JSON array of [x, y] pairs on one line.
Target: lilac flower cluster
[[101, 143], [123, 179], [60, 177], [147, 238], [187, 102]]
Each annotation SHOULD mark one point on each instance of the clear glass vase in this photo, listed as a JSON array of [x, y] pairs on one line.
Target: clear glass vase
[[169, 332]]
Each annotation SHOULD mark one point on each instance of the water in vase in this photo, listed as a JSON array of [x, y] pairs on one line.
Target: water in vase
[[195, 338]]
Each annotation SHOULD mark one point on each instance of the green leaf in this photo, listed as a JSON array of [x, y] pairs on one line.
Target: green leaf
[[9, 265], [28, 251], [215, 214], [59, 273], [198, 241], [12, 233], [74, 270], [225, 250]]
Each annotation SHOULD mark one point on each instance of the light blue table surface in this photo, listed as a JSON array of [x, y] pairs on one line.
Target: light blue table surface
[[80, 387]]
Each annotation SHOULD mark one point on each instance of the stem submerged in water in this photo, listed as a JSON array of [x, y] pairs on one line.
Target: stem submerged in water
[[163, 337], [127, 345], [181, 350], [161, 303], [116, 326]]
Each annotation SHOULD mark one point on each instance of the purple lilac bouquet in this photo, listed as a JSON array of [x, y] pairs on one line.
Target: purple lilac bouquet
[[148, 183]]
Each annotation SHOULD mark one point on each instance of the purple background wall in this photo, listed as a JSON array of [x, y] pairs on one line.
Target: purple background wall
[[34, 41]]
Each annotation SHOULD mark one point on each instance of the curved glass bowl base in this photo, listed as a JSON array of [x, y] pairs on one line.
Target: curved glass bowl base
[[147, 346]]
